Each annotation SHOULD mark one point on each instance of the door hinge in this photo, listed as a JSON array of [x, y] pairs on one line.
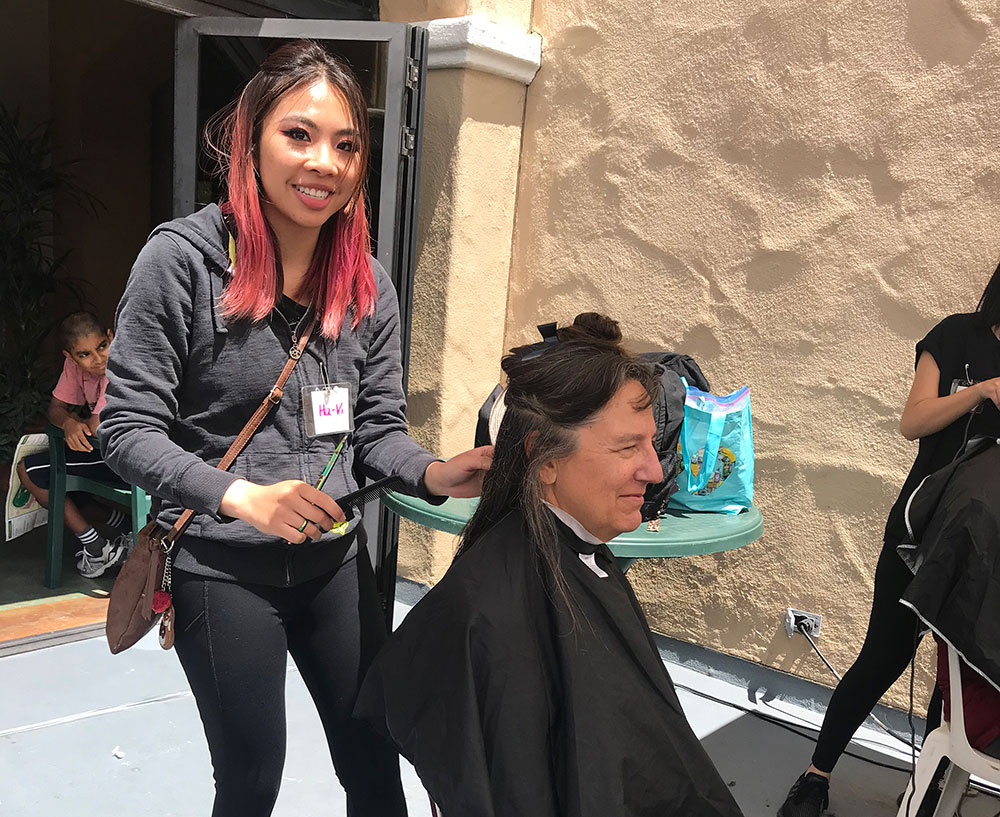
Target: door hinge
[[408, 145], [412, 73]]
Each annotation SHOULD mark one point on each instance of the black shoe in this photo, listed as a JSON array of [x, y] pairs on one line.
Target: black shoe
[[808, 797]]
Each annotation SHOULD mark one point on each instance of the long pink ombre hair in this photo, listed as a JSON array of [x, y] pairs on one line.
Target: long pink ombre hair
[[340, 275]]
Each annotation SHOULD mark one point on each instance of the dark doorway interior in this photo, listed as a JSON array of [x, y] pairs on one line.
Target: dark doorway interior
[[104, 81], [111, 66]]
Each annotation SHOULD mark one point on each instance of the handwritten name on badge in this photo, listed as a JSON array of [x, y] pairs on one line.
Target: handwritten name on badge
[[331, 413]]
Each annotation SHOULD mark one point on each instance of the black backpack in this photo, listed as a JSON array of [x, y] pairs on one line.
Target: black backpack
[[668, 410]]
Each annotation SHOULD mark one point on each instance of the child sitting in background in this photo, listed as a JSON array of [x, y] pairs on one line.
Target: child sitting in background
[[76, 405]]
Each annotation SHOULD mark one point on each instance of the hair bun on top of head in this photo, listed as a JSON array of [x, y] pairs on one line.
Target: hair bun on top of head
[[539, 372], [587, 327], [592, 326]]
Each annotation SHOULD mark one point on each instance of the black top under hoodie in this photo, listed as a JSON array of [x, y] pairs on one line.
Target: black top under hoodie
[[183, 382]]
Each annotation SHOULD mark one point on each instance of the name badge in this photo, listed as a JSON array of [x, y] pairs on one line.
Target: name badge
[[328, 409], [961, 385]]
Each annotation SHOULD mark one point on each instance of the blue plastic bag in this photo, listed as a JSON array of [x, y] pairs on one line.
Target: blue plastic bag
[[717, 431]]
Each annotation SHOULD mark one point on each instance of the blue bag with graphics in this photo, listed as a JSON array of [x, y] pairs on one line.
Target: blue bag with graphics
[[716, 432]]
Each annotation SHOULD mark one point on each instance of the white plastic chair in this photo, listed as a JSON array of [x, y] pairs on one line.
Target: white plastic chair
[[949, 741]]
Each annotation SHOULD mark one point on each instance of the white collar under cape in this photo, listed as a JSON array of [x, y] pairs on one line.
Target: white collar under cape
[[583, 534], [571, 523]]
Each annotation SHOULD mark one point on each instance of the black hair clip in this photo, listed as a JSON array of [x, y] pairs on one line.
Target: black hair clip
[[550, 337]]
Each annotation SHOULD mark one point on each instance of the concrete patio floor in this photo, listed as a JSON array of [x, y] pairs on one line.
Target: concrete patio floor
[[85, 733]]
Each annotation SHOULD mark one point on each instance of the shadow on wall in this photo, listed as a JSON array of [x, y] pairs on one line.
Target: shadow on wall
[[945, 32], [456, 100], [405, 11], [436, 207]]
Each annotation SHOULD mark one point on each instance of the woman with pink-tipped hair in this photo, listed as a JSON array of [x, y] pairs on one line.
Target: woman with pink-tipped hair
[[270, 565]]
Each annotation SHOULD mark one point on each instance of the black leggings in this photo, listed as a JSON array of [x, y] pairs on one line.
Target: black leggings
[[888, 649], [233, 640]]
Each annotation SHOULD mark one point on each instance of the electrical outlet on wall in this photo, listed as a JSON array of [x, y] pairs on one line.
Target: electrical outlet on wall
[[796, 620]]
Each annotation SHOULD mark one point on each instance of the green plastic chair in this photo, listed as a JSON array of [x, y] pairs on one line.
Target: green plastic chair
[[61, 483]]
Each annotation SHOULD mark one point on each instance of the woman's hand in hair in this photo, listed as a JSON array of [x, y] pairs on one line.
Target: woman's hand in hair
[[280, 509], [462, 475]]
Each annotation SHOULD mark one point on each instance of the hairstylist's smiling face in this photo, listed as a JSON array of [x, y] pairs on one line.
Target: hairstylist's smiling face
[[602, 483], [308, 161]]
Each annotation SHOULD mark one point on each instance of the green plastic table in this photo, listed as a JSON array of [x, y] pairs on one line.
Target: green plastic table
[[681, 533]]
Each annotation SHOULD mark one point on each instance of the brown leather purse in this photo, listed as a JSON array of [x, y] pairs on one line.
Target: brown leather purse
[[141, 593]]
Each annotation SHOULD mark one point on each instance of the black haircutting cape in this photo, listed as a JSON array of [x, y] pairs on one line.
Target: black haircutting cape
[[954, 524], [507, 708]]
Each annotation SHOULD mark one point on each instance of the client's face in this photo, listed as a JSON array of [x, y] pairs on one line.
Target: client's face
[[602, 483]]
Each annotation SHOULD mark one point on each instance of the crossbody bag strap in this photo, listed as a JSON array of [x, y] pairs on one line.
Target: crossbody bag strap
[[272, 399]]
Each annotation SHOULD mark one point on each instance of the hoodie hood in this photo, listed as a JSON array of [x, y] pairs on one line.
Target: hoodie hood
[[205, 231], [206, 234]]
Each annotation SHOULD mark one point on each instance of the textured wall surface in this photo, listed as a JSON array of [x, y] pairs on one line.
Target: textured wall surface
[[794, 193], [514, 13], [405, 11], [471, 149]]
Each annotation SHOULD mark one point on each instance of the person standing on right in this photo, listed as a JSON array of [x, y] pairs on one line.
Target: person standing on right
[[954, 397]]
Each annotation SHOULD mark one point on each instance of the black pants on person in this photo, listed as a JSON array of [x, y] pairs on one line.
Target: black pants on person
[[889, 645], [233, 639]]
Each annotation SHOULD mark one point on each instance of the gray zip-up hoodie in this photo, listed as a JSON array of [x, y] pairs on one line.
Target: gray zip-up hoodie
[[183, 382]]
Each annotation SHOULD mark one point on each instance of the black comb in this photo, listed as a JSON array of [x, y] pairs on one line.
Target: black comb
[[375, 490]]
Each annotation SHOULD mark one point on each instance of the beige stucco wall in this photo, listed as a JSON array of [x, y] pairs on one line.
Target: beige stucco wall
[[471, 149], [793, 193], [515, 14]]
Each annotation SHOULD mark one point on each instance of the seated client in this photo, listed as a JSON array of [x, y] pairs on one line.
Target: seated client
[[527, 681]]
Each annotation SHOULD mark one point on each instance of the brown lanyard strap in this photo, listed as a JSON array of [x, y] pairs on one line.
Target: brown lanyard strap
[[272, 399]]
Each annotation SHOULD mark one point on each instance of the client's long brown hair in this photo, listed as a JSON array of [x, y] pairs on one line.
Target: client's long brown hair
[[550, 394]]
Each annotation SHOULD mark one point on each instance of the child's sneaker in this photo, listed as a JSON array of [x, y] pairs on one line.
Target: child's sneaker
[[91, 567]]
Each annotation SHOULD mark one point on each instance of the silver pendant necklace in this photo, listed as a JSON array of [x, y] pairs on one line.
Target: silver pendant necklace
[[293, 327]]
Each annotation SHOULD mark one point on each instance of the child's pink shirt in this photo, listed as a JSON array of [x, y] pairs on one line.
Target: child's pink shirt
[[80, 388]]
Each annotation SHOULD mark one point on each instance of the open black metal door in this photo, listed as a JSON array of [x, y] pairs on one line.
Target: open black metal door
[[215, 56]]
